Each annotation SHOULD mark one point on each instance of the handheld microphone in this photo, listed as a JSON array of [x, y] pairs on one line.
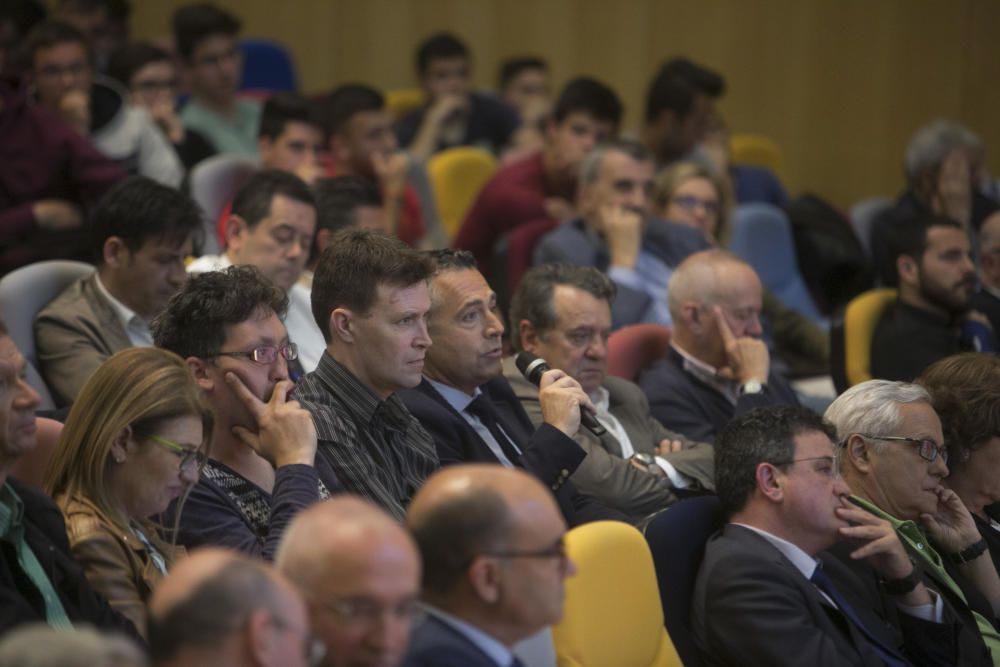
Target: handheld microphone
[[532, 367]]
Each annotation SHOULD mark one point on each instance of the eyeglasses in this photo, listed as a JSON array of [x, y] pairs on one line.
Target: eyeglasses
[[266, 354], [186, 455], [927, 448], [360, 610], [216, 59], [557, 550], [690, 203], [831, 469]]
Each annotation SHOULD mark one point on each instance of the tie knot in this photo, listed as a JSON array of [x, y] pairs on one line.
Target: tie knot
[[482, 407]]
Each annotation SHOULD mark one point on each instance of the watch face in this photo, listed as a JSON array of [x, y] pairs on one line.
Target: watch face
[[752, 387]]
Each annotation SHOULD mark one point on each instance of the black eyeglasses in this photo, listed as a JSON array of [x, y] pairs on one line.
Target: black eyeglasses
[[828, 468], [927, 448], [557, 550], [266, 354]]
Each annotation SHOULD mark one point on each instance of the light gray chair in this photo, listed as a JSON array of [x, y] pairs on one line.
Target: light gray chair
[[864, 214], [23, 293], [214, 182]]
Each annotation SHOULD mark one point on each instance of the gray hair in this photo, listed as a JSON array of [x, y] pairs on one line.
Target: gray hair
[[872, 407], [932, 143], [590, 167], [38, 645]]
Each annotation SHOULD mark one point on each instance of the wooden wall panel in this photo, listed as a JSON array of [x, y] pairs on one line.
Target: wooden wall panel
[[841, 85]]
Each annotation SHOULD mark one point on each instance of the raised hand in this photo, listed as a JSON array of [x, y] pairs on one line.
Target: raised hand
[[561, 399], [952, 527], [285, 433], [622, 229], [747, 358]]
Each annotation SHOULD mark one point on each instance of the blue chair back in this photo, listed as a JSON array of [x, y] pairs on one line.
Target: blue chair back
[[677, 540], [267, 66]]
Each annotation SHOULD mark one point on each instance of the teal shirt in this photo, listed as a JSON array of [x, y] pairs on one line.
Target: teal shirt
[[238, 136], [12, 532]]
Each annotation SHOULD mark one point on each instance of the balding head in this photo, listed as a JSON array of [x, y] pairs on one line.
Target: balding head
[[491, 540], [989, 251], [223, 605], [699, 284], [354, 564]]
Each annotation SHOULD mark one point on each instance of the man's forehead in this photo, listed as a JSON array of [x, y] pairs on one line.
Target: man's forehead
[[573, 305], [942, 236], [617, 164], [263, 325], [396, 298]]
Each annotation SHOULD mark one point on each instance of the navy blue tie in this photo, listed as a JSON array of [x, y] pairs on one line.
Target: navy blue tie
[[889, 656], [482, 408]]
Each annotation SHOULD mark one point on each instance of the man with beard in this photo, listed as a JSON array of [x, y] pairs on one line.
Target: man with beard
[[936, 278]]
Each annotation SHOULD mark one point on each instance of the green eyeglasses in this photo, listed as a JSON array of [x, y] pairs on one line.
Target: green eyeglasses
[[187, 456]]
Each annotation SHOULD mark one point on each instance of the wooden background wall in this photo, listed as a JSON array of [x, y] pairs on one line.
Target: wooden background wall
[[840, 84]]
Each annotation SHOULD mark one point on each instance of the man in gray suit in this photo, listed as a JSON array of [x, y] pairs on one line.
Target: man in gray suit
[[141, 233], [562, 313]]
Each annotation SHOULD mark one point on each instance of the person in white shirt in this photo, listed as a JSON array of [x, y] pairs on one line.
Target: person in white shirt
[[139, 267], [271, 227]]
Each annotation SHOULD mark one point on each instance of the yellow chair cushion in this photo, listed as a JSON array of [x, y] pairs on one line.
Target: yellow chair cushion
[[457, 175], [402, 101], [860, 319], [756, 149], [612, 616]]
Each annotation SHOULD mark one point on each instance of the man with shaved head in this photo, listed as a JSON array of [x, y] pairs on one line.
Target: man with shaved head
[[494, 565], [717, 367], [223, 609], [359, 573]]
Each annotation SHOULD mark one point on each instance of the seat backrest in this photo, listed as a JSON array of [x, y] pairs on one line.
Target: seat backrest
[[860, 319], [762, 237], [267, 67], [457, 175], [864, 214], [756, 149], [214, 183], [612, 615], [677, 539], [24, 292], [634, 348], [401, 101]]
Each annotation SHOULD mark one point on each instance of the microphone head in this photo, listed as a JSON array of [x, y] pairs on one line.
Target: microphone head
[[523, 360], [531, 366]]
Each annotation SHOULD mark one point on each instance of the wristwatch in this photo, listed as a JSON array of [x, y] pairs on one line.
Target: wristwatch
[[752, 386], [903, 585], [971, 552]]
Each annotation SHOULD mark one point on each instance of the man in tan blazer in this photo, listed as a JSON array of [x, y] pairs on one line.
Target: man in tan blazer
[[562, 313]]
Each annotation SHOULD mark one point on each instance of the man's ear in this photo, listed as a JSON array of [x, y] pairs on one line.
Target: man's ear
[[115, 253], [768, 482], [339, 149], [696, 318], [857, 452], [908, 269], [235, 228], [199, 370], [322, 240], [260, 637], [264, 145], [528, 336], [484, 578], [342, 325]]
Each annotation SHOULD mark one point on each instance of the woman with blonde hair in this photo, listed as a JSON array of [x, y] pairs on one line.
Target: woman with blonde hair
[[134, 442], [691, 194]]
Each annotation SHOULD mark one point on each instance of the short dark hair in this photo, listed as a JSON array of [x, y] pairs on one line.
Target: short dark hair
[[439, 46], [510, 68], [908, 236], [533, 299], [338, 198], [763, 435], [451, 259], [138, 209], [677, 83], [197, 319], [194, 23], [965, 393], [451, 534], [253, 201], [132, 57], [356, 262], [584, 94], [345, 101], [48, 34], [283, 108]]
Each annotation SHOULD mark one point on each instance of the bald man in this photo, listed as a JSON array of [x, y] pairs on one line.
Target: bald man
[[359, 572], [717, 367], [491, 539], [218, 608]]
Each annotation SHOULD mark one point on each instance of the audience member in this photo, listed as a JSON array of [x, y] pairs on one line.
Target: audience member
[[543, 186], [936, 278], [562, 313], [965, 393], [940, 181], [359, 573], [893, 458], [17, 18], [103, 22], [263, 469], [470, 409], [716, 367], [39, 580], [139, 267], [523, 83], [986, 299], [207, 43], [43, 646], [746, 183], [362, 144], [271, 227], [61, 67], [491, 540], [150, 75], [766, 596], [452, 115], [690, 194], [616, 233], [370, 298], [220, 608], [680, 105], [134, 442]]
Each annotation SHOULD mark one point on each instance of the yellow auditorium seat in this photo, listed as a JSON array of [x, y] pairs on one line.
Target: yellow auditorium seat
[[402, 101], [757, 150], [457, 175], [613, 616], [861, 316]]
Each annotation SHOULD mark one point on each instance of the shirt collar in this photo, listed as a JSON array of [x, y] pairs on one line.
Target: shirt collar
[[11, 514], [339, 380], [496, 651], [456, 398], [601, 398], [125, 314], [802, 561], [990, 290]]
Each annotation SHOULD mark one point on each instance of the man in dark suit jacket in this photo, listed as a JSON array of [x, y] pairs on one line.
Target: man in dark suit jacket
[[717, 366], [763, 598], [470, 409], [494, 563], [987, 297], [616, 234]]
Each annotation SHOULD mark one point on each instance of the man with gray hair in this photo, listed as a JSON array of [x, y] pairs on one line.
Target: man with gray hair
[[222, 609], [893, 458], [617, 234], [717, 366]]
